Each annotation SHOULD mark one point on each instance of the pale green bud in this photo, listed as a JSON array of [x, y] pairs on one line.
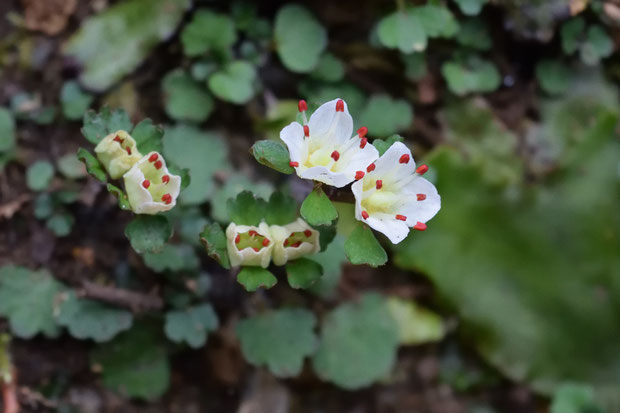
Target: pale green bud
[[294, 241], [248, 245], [117, 152]]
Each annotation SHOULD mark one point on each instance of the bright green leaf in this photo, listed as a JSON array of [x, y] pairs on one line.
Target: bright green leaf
[[232, 187], [598, 45], [253, 278], [93, 166], [148, 233], [281, 209], [385, 116], [363, 248], [246, 209], [574, 398], [97, 125], [272, 154], [317, 209], [191, 325], [214, 240], [402, 30], [303, 272], [120, 195], [383, 145], [148, 136]]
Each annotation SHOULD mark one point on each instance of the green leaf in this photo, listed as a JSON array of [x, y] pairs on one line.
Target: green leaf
[[232, 187], [402, 30], [574, 398], [363, 248], [279, 340], [70, 166], [113, 43], [554, 77], [358, 343], [416, 325], [472, 75], [135, 363], [383, 145], [471, 7], [331, 259], [75, 102], [39, 175], [172, 258], [329, 69], [148, 233], [97, 125], [43, 206], [60, 224], [7, 130], [474, 33], [571, 33], [437, 20], [385, 116], [27, 300], [120, 195], [214, 240], [302, 273], [598, 45], [253, 278], [246, 209], [281, 209], [415, 66], [208, 32], [202, 153], [93, 166], [184, 98], [272, 154], [88, 319], [317, 209], [191, 325], [300, 38], [234, 83], [148, 136]]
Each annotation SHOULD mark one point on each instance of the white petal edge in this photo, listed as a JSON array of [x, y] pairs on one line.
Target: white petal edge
[[322, 174], [391, 157], [293, 136], [421, 211], [326, 123]]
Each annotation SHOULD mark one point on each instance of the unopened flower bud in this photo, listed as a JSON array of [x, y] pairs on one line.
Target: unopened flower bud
[[294, 241], [118, 153], [248, 245]]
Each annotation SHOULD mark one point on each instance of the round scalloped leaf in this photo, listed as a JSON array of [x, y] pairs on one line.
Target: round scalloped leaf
[[363, 248], [60, 223], [191, 325], [253, 278], [234, 82], [471, 7], [88, 319], [233, 186], [184, 98], [148, 137], [554, 77], [281, 209], [279, 340], [97, 125], [70, 166], [384, 116], [75, 102], [402, 30], [300, 38], [358, 343], [172, 258], [39, 175], [208, 31], [148, 233], [246, 209], [473, 75], [303, 272]]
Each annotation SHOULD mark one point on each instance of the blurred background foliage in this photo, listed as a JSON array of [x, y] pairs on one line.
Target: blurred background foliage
[[509, 302]]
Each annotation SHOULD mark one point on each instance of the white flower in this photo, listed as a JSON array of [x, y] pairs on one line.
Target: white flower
[[393, 196], [293, 241], [323, 149], [117, 152], [249, 246], [150, 187]]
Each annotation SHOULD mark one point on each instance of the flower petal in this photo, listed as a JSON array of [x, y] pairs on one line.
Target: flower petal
[[322, 174], [293, 136], [421, 211], [390, 161], [394, 229], [356, 159], [327, 124]]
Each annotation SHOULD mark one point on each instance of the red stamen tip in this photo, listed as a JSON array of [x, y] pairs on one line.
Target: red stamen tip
[[335, 155], [255, 249], [146, 183], [362, 131], [422, 169], [118, 139], [340, 105], [293, 164], [421, 197], [252, 233], [158, 164], [308, 233], [296, 245], [237, 239], [420, 226], [265, 242], [128, 149], [165, 179], [379, 184], [359, 175], [153, 157], [404, 159], [401, 217], [306, 131], [167, 198], [285, 242], [363, 142], [302, 106], [371, 167]]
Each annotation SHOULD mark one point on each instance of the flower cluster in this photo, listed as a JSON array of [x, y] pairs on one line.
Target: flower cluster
[[257, 246], [391, 195], [150, 187]]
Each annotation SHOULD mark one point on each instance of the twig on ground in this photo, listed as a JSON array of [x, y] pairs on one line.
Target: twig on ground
[[136, 302]]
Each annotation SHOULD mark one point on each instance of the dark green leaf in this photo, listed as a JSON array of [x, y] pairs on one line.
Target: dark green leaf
[[172, 258], [363, 248], [60, 223], [93, 166], [246, 209], [234, 83], [214, 240], [148, 233], [97, 126], [39, 175], [383, 145], [148, 137], [317, 209], [191, 325], [253, 278], [184, 98], [281, 209], [208, 32], [121, 196], [272, 154], [302, 273], [75, 102]]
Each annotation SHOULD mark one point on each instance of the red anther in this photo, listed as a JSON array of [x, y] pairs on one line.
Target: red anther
[[237, 239], [363, 142], [293, 164], [128, 149], [296, 245], [153, 157], [359, 175], [306, 131], [118, 139], [252, 233], [404, 159], [158, 164], [371, 167], [167, 198], [302, 106], [146, 183], [165, 179], [285, 242], [340, 105], [255, 249], [379, 184], [401, 217], [308, 233], [364, 214], [335, 155], [265, 242], [421, 197], [420, 226], [362, 131], [421, 169]]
